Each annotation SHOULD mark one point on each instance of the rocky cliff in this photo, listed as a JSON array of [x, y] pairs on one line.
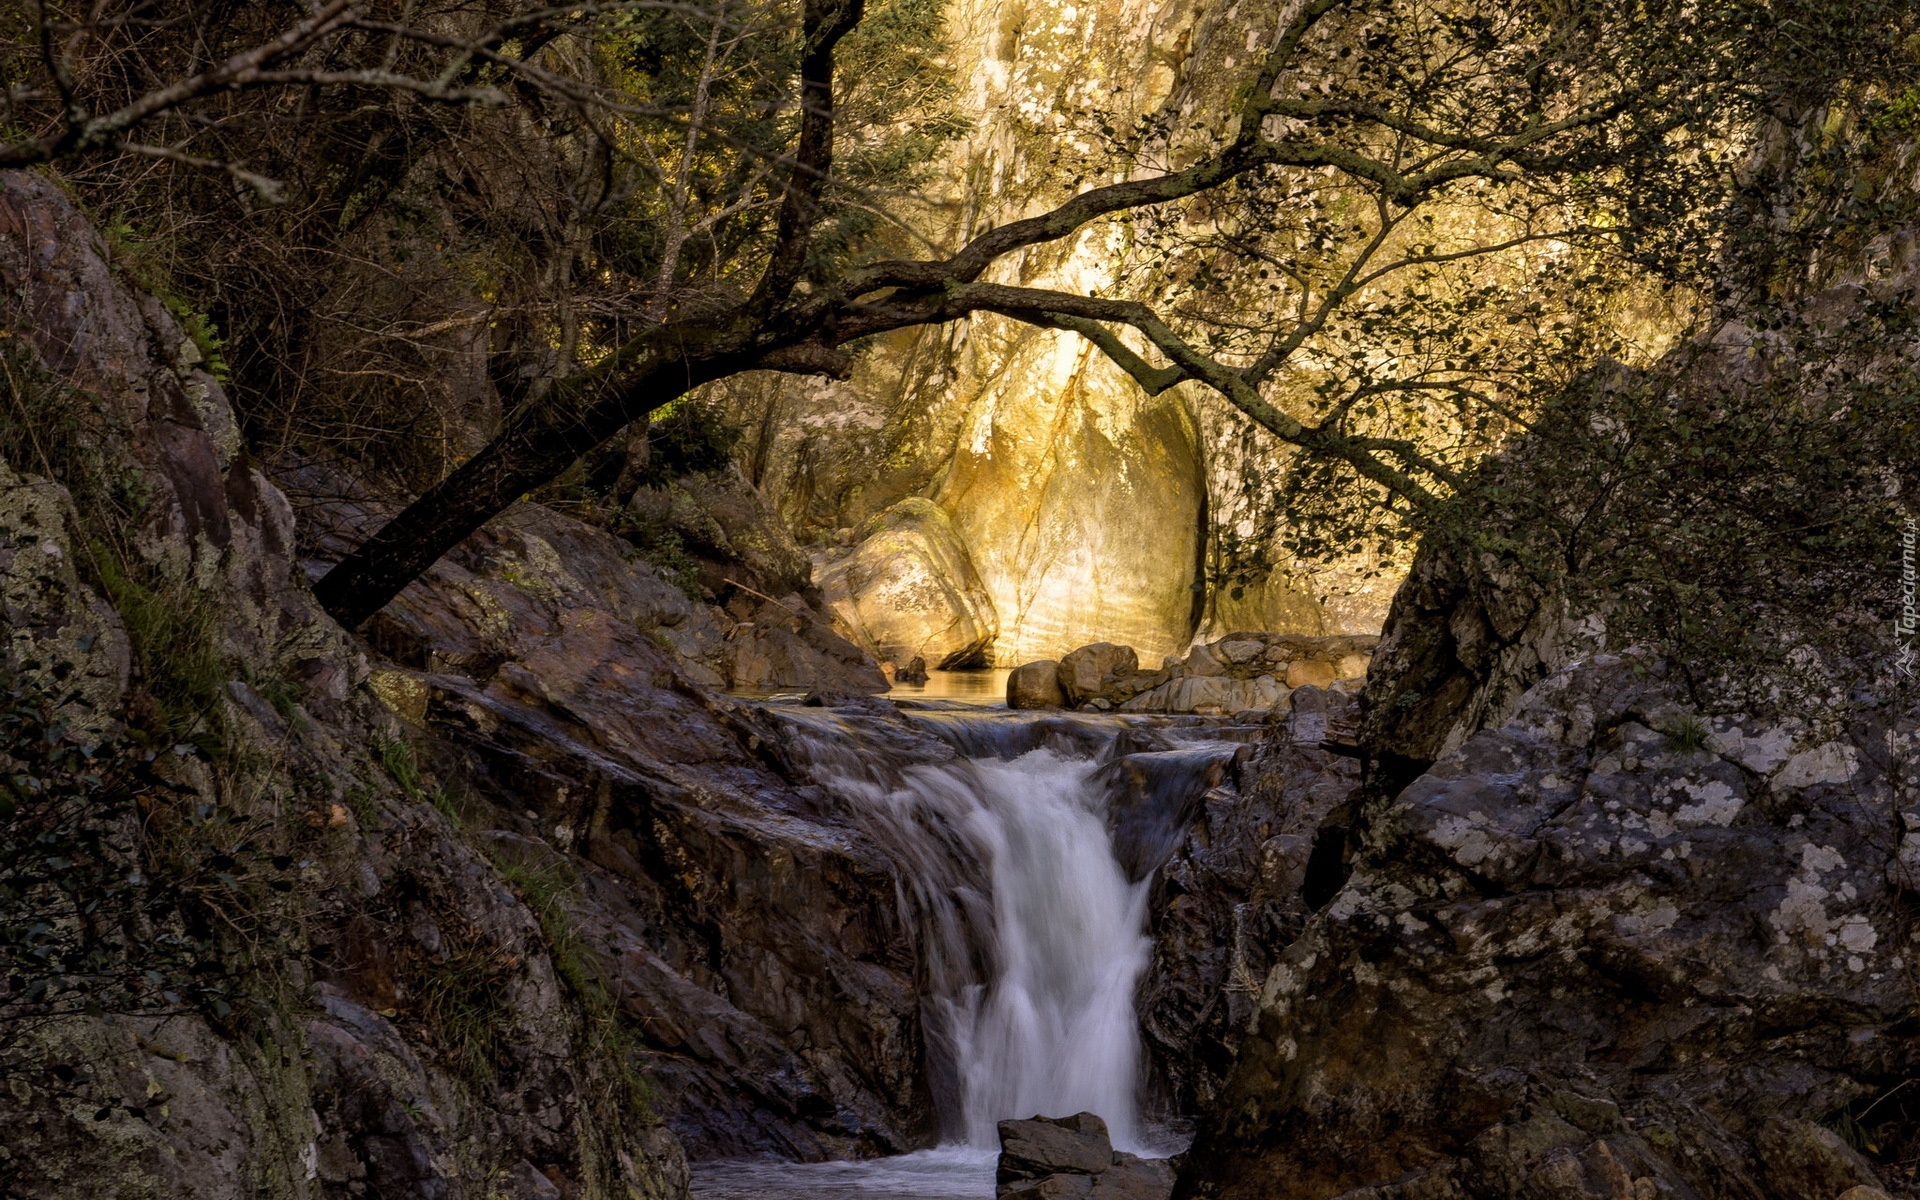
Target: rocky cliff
[[525, 909], [1593, 953], [1621, 908]]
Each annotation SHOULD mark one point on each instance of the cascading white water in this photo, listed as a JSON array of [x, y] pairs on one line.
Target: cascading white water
[[1053, 1031], [1035, 940]]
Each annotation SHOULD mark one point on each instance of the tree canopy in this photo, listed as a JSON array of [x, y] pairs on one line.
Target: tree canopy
[[1384, 236]]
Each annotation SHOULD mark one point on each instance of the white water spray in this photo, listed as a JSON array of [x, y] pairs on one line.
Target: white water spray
[[1054, 1031], [1035, 941]]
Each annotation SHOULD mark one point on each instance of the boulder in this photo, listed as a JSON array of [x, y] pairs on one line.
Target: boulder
[[1240, 651], [1076, 562], [1043, 1146], [908, 589], [1133, 1178], [1091, 671], [1319, 717], [1071, 1158], [1036, 685], [1201, 661], [1310, 672], [914, 672], [1352, 666]]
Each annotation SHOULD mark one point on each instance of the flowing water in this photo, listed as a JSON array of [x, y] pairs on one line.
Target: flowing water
[[1033, 936]]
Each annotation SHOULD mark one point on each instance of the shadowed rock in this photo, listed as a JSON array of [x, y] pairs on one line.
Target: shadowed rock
[[1071, 1158]]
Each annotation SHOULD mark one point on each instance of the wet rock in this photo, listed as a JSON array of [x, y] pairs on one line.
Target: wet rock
[[1226, 903], [1132, 1178], [915, 671], [1152, 798], [1036, 685], [1071, 1158], [1043, 1146]]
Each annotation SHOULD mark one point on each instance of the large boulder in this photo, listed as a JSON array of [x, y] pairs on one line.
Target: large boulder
[[908, 589], [1612, 947], [1082, 500]]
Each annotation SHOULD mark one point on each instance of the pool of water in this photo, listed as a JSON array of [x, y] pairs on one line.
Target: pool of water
[[975, 687], [948, 1173], [982, 687]]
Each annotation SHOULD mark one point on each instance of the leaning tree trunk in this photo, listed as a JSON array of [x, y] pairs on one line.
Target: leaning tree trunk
[[537, 444]]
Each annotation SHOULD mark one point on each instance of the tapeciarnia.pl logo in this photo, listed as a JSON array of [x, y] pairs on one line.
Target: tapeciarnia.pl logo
[[1905, 624]]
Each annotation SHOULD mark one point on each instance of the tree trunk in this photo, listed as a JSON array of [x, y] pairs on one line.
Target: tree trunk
[[537, 444]]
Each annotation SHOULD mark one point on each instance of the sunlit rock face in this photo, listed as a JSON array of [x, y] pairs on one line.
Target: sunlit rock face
[[909, 590], [1090, 510], [1082, 500]]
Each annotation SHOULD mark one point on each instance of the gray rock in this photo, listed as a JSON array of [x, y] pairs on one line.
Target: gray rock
[[1575, 956], [1071, 1158], [1810, 1159], [1039, 1147], [1132, 1178], [1240, 651], [1051, 1187], [1201, 662]]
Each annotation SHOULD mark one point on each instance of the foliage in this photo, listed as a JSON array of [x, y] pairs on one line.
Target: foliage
[[148, 269], [1715, 506], [56, 430], [396, 756], [691, 435]]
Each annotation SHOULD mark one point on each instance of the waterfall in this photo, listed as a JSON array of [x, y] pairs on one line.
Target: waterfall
[[1053, 1031], [1033, 936]]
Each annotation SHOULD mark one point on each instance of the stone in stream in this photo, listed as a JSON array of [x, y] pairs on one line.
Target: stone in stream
[[914, 672], [1072, 1158], [1090, 672], [1036, 685]]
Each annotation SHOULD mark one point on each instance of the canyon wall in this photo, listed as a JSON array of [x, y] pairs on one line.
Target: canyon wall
[[1088, 510]]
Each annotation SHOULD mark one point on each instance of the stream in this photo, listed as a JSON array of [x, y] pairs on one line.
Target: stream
[[1033, 935]]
